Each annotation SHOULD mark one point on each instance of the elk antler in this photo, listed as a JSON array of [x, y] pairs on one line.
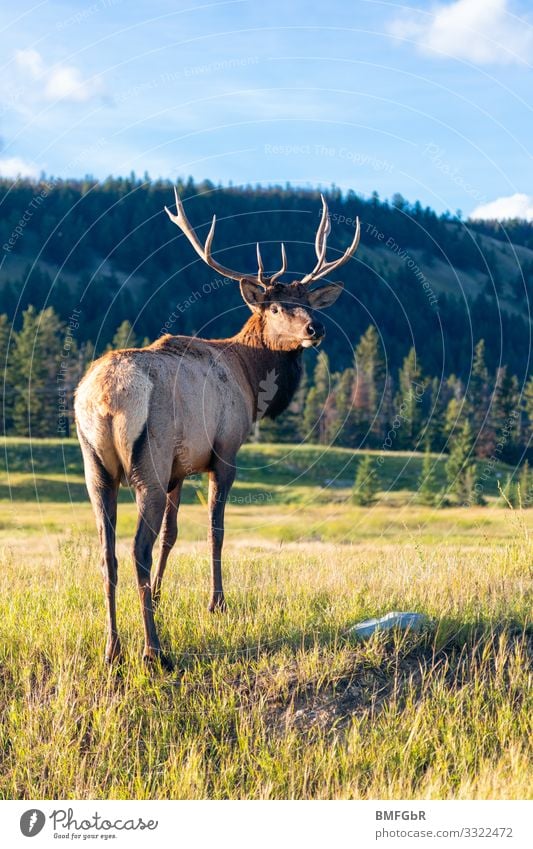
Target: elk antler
[[283, 268], [322, 267], [204, 251]]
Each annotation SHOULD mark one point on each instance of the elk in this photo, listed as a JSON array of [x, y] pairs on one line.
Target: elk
[[150, 417]]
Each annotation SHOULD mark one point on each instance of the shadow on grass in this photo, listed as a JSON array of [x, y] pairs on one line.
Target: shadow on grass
[[388, 669]]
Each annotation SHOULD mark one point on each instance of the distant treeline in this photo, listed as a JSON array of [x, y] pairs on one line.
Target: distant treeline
[[366, 404], [119, 258]]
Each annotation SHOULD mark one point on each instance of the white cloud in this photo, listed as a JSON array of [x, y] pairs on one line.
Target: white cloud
[[514, 206], [481, 31], [31, 61], [66, 84], [60, 82], [14, 166]]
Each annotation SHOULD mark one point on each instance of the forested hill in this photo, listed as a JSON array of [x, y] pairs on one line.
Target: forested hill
[[108, 250]]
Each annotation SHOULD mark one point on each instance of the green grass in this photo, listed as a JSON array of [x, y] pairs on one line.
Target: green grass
[[273, 699], [52, 470]]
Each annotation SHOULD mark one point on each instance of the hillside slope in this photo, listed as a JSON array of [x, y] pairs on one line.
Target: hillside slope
[[109, 250]]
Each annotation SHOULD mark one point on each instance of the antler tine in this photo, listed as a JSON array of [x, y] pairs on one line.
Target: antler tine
[[283, 268], [260, 269], [204, 251], [321, 241], [322, 267], [349, 252], [323, 231], [209, 241]]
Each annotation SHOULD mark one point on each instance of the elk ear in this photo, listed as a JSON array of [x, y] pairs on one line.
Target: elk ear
[[324, 297], [253, 294]]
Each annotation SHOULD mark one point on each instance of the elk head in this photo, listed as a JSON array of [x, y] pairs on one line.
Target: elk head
[[286, 311]]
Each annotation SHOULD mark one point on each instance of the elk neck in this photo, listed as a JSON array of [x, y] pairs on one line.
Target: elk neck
[[273, 374]]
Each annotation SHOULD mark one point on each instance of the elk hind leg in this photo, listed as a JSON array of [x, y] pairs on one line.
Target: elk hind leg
[[103, 493], [151, 505], [221, 478], [168, 537]]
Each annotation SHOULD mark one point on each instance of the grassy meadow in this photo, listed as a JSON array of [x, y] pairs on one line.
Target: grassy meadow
[[274, 699]]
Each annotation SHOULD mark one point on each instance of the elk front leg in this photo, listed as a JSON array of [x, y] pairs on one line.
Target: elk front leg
[[168, 537], [220, 480], [151, 504]]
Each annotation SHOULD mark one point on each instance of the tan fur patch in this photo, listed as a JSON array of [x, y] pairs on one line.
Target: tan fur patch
[[115, 389]]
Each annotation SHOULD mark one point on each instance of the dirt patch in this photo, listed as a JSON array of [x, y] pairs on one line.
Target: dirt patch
[[364, 691], [365, 688]]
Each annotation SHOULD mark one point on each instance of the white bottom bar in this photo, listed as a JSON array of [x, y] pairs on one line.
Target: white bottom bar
[[264, 825]]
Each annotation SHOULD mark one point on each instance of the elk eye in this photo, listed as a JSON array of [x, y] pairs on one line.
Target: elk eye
[[274, 309]]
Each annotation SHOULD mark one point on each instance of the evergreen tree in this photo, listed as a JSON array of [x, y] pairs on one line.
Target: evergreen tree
[[435, 424], [427, 482], [314, 424], [369, 384], [331, 423], [344, 404], [505, 413], [7, 338], [461, 468], [528, 405], [455, 405], [525, 481], [124, 337], [409, 401], [478, 402], [366, 482], [37, 373], [509, 492], [386, 410]]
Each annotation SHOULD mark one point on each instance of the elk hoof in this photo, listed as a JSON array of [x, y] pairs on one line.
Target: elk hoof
[[158, 659], [217, 604], [113, 651]]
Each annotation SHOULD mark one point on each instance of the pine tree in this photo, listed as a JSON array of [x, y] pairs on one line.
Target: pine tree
[[478, 402], [386, 409], [528, 404], [37, 358], [525, 481], [461, 468], [504, 413], [296, 408], [7, 339], [427, 482], [370, 373], [455, 405], [124, 337], [409, 401], [343, 393], [435, 424], [366, 482], [509, 492], [314, 423]]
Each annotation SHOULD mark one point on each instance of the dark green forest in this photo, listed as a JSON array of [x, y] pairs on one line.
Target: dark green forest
[[434, 328]]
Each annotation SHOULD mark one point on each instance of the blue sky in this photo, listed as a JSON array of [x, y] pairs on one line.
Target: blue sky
[[432, 100]]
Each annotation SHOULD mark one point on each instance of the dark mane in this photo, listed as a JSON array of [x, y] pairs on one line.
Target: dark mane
[[274, 376]]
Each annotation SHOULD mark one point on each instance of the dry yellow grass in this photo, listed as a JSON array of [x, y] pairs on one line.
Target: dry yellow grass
[[274, 699]]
